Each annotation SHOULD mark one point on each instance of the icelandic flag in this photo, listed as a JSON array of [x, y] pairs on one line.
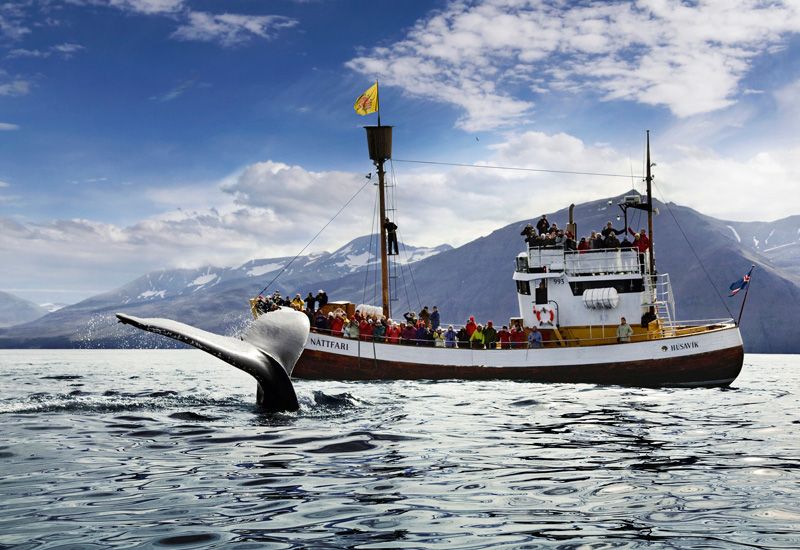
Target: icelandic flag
[[741, 284]]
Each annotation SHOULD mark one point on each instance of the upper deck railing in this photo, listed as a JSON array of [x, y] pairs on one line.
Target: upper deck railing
[[605, 261]]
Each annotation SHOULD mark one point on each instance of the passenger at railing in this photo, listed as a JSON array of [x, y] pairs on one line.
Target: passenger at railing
[[609, 229], [534, 339], [392, 332], [450, 337], [624, 331], [351, 330], [598, 242], [408, 334], [504, 336], [321, 322], [570, 243], [543, 226], [364, 329], [463, 337], [337, 325], [438, 338], [410, 317], [379, 331], [297, 302], [435, 318], [310, 302], [476, 339], [423, 334], [425, 315], [645, 241], [559, 239], [583, 246], [637, 242], [470, 326], [529, 233], [626, 244], [490, 336], [611, 241], [517, 336]]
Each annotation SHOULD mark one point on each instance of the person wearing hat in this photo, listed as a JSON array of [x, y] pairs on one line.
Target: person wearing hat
[[297, 302], [321, 298], [470, 326], [450, 337], [490, 336]]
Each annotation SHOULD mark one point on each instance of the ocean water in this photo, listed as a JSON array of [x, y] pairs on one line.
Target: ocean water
[[165, 448]]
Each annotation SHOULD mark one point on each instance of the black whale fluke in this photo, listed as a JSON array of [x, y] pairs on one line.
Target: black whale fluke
[[267, 351]]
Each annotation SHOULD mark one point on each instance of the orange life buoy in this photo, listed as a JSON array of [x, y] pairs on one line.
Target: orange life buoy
[[548, 312]]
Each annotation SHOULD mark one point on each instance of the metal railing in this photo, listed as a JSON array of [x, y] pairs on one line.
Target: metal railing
[[610, 261]]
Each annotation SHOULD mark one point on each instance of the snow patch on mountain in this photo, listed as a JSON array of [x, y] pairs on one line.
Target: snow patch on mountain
[[203, 279], [51, 307], [147, 294], [260, 270], [735, 234], [354, 261]]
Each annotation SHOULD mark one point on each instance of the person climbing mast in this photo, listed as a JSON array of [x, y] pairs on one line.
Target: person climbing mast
[[391, 236]]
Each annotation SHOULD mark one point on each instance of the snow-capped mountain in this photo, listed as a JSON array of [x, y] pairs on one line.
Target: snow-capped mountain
[[703, 255]]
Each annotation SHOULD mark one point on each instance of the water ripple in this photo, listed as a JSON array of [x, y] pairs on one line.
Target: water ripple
[[166, 449]]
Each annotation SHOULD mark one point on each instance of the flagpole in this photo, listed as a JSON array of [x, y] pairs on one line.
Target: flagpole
[[378, 100], [746, 290]]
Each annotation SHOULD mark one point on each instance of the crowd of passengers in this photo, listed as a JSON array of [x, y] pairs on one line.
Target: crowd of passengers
[[421, 329], [546, 234]]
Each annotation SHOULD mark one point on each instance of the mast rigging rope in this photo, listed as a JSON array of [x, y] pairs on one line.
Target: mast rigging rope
[[515, 168]]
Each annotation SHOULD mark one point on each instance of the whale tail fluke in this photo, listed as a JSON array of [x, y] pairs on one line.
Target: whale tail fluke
[[268, 350]]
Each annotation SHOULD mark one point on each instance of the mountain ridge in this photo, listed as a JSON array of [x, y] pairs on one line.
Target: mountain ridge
[[703, 255]]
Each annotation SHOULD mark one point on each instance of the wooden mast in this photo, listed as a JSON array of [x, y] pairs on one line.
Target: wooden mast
[[379, 141], [649, 180]]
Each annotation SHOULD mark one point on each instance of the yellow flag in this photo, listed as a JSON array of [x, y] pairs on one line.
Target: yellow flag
[[368, 101]]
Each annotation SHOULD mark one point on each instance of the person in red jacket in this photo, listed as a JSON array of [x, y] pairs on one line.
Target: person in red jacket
[[640, 240], [518, 337], [471, 326], [505, 338], [337, 326], [392, 333], [583, 246], [365, 329]]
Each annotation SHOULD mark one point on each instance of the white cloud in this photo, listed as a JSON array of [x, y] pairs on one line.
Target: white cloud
[[11, 25], [272, 209], [688, 58], [66, 50], [7, 127], [149, 7], [230, 29], [177, 91], [17, 87], [3, 184]]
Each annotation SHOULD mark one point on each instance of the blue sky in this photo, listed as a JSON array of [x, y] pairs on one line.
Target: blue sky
[[146, 134]]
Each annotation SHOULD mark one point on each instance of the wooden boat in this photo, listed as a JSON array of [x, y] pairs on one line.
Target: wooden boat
[[576, 299]]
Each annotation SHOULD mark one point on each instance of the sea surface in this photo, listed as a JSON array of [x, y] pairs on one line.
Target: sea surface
[[165, 448]]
